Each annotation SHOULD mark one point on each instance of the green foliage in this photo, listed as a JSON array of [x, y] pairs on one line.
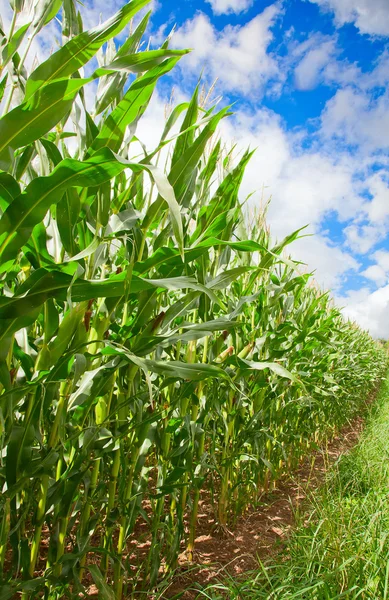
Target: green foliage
[[151, 347], [342, 549]]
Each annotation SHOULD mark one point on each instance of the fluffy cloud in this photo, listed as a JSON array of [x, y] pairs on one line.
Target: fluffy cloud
[[376, 274], [369, 16], [358, 118], [362, 238], [317, 60], [221, 7], [358, 113], [305, 187], [308, 185], [312, 185], [379, 272], [355, 121], [371, 225], [330, 263], [237, 56], [378, 208], [318, 53], [369, 309], [382, 259]]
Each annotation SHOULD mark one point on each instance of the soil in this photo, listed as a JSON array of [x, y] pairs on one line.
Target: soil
[[262, 531]]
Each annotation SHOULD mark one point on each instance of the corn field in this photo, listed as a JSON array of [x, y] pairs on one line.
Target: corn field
[[158, 349]]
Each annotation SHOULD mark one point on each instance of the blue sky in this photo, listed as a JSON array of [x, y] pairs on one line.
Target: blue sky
[[309, 81], [310, 84]]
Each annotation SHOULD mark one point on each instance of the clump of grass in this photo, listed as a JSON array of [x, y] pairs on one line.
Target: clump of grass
[[342, 549]]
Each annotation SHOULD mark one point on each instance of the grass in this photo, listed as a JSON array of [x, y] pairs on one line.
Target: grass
[[341, 549]]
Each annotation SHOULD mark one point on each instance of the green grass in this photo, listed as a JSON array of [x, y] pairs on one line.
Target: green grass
[[341, 549]]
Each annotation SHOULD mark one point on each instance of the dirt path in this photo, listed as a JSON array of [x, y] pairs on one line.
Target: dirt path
[[262, 531]]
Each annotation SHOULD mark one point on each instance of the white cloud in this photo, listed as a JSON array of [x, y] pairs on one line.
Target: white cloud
[[371, 224], [311, 186], [378, 208], [376, 274], [382, 259], [317, 60], [369, 309], [342, 73], [330, 263], [305, 187], [362, 238], [358, 118], [314, 62], [237, 56], [222, 7], [369, 16], [379, 76]]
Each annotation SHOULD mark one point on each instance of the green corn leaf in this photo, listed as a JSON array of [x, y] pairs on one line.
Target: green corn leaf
[[9, 190], [51, 353], [274, 252], [68, 213], [171, 258], [111, 87], [45, 11], [52, 151], [36, 247], [49, 283], [181, 307], [186, 140], [110, 90], [223, 201], [132, 43], [191, 332], [70, 24], [272, 366], [17, 5], [172, 119], [24, 161], [13, 44], [123, 221], [139, 62], [152, 337], [105, 591], [79, 50], [206, 175], [8, 328], [172, 368], [34, 117], [182, 171], [30, 207], [130, 108], [3, 84], [224, 279]]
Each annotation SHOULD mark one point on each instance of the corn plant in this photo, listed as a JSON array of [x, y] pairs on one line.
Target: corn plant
[[154, 348]]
